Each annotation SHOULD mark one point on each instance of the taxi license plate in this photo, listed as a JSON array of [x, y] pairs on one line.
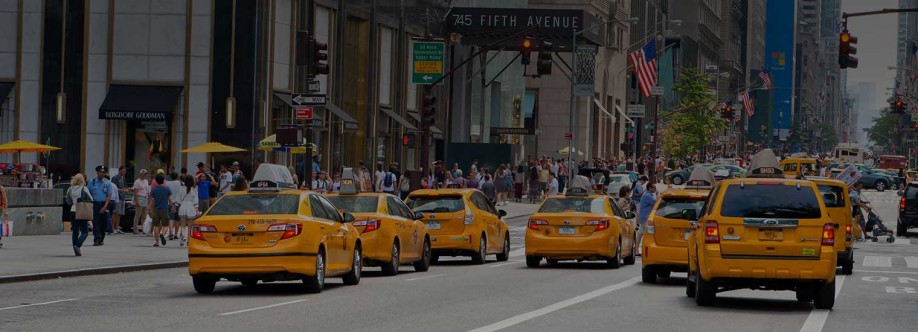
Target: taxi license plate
[[433, 225], [567, 230], [242, 238], [771, 235]]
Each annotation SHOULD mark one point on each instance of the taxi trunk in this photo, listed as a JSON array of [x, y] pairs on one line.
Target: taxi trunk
[[670, 229], [568, 225], [443, 214], [248, 232]]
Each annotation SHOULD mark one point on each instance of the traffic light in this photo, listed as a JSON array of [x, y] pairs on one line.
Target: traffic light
[[629, 132], [543, 67], [410, 140], [898, 106], [727, 112], [525, 51], [428, 110], [319, 63], [845, 48]]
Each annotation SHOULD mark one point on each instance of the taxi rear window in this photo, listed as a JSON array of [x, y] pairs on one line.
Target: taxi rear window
[[770, 201], [355, 204], [833, 196], [441, 204], [583, 205], [256, 205], [671, 208]]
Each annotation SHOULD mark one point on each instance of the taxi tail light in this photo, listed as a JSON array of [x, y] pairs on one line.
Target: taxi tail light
[[828, 235], [197, 231], [535, 223], [290, 230], [469, 218], [711, 234], [648, 228], [370, 224], [902, 203], [848, 232], [600, 224]]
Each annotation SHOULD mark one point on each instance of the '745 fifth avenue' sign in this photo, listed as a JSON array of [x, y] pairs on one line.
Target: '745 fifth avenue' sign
[[551, 22]]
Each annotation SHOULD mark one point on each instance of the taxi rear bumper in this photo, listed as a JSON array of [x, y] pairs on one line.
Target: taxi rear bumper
[[454, 244], [735, 268], [657, 255], [263, 266], [598, 244]]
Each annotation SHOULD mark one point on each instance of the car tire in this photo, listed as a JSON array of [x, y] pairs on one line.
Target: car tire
[[249, 282], [424, 264], [204, 285], [663, 273], [434, 259], [391, 268], [880, 185], [804, 295], [533, 261], [825, 295], [480, 256], [504, 255], [315, 284], [705, 293], [847, 266], [616, 261], [649, 275], [353, 277], [901, 229], [630, 259], [677, 180]]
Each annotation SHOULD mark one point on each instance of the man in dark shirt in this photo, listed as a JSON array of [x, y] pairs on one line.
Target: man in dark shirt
[[161, 205]]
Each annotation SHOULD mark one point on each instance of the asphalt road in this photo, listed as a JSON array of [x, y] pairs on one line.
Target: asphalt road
[[457, 296]]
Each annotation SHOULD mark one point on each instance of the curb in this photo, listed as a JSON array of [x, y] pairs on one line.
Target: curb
[[91, 271]]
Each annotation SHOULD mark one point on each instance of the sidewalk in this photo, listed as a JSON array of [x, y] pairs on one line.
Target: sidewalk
[[26, 258]]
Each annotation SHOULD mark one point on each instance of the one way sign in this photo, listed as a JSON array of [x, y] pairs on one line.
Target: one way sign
[[307, 99]]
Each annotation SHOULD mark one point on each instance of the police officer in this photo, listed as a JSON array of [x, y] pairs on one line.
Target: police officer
[[101, 191]]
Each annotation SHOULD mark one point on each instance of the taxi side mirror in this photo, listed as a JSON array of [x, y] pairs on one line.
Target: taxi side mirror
[[629, 215], [501, 213], [418, 216], [348, 218], [689, 214], [900, 193]]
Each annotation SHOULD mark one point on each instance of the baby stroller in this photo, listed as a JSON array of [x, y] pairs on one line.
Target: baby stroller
[[875, 225]]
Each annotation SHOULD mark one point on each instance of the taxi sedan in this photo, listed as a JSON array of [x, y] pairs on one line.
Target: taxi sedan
[[583, 228], [390, 232], [462, 222], [273, 235]]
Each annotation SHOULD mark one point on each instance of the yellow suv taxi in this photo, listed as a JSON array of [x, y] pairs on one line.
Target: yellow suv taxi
[[795, 166], [391, 234], [462, 222], [668, 228], [838, 203], [764, 232], [581, 227], [273, 232]]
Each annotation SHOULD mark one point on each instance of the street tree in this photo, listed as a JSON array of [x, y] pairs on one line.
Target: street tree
[[884, 130], [694, 122]]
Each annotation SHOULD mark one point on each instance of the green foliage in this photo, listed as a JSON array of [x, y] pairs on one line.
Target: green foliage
[[694, 122], [884, 129]]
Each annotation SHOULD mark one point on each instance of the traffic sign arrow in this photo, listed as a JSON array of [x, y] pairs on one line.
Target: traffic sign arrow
[[427, 77]]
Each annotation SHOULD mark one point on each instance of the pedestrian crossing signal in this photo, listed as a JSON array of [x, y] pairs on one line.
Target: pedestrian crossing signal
[[410, 140]]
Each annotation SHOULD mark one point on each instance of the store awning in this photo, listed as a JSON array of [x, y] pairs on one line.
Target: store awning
[[625, 116], [349, 122], [140, 103], [437, 133], [603, 109], [5, 88], [316, 116], [398, 118]]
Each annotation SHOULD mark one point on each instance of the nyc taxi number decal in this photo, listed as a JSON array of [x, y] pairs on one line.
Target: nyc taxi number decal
[[808, 251], [459, 238]]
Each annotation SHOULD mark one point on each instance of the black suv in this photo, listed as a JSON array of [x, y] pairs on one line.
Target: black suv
[[908, 209]]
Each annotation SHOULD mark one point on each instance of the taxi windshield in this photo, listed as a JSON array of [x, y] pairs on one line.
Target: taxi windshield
[[255, 204], [770, 201], [570, 204], [833, 196], [355, 204], [672, 207], [440, 204]]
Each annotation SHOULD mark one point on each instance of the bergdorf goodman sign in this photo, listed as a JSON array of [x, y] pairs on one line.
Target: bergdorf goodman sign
[[554, 22], [140, 116]]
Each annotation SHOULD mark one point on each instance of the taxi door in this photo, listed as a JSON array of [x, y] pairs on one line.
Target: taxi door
[[336, 256], [490, 218], [403, 229]]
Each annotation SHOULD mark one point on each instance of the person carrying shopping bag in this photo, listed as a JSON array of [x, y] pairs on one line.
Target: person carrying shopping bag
[[81, 212]]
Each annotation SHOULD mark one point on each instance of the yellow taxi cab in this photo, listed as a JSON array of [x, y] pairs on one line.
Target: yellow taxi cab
[[390, 233], [668, 228], [581, 226], [273, 232], [462, 222], [764, 232], [794, 166], [838, 204]]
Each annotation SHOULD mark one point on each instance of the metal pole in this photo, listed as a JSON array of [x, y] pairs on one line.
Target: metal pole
[[570, 142]]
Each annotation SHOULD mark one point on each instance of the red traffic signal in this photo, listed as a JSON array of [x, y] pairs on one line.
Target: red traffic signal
[[845, 49], [410, 140]]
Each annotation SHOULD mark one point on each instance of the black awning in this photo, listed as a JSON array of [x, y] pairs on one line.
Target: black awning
[[398, 118], [349, 122], [5, 88], [140, 103]]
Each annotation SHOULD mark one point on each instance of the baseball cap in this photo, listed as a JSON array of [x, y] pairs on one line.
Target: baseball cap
[[101, 168], [143, 171], [235, 163], [200, 164], [160, 171]]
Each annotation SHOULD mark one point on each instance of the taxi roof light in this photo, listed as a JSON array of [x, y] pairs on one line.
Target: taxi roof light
[[765, 165], [701, 177], [271, 178]]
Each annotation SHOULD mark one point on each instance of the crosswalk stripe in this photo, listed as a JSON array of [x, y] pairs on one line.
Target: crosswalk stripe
[[878, 261], [911, 262]]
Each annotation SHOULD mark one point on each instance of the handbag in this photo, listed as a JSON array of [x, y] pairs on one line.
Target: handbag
[[84, 206], [6, 227]]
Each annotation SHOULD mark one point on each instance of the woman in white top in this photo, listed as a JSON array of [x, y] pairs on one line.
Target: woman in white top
[[79, 228], [141, 193], [187, 199]]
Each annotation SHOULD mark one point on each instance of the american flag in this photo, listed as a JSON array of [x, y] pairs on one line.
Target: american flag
[[766, 79], [748, 104], [645, 66]]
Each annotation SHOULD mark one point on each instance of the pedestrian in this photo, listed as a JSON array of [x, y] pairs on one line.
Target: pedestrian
[[534, 189], [79, 228], [363, 176], [856, 205], [553, 186], [487, 187], [425, 183], [648, 199], [237, 172], [637, 191], [519, 178], [404, 186], [296, 178], [141, 196], [472, 182], [474, 168], [623, 201], [101, 191], [500, 184], [336, 183], [388, 182], [321, 184], [119, 182], [160, 204], [188, 208], [3, 207], [226, 181], [241, 184], [175, 187], [378, 177], [204, 182]]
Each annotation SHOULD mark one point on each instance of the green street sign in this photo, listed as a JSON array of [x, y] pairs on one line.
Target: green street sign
[[427, 65]]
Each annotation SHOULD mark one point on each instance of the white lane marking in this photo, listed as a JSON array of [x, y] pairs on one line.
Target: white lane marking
[[260, 308], [878, 261], [36, 304], [817, 318], [896, 272], [505, 264], [911, 262], [557, 306], [518, 252], [427, 277]]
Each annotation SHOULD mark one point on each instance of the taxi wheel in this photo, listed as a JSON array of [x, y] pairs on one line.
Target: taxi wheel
[[616, 262], [664, 273], [249, 282], [434, 258], [630, 259], [353, 277], [689, 286], [315, 284], [480, 256], [204, 285], [649, 275], [825, 295], [424, 264], [504, 255], [847, 266], [533, 261], [901, 229], [705, 294], [805, 295], [391, 268]]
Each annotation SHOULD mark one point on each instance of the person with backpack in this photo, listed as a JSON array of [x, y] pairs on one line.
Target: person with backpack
[[387, 183], [79, 227], [404, 186]]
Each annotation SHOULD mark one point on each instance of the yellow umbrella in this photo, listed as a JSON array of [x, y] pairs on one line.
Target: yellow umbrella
[[212, 147], [567, 151], [270, 144], [20, 146]]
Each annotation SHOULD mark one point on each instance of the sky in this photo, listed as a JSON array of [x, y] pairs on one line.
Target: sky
[[876, 50]]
